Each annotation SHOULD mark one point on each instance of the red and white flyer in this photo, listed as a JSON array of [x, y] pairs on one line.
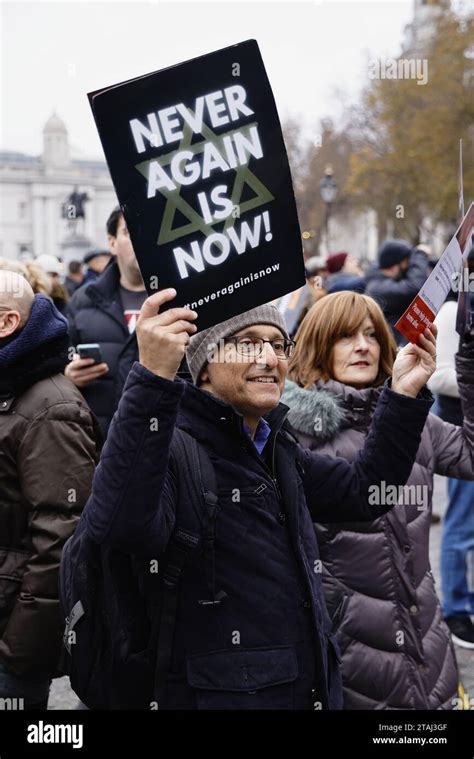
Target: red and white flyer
[[423, 309]]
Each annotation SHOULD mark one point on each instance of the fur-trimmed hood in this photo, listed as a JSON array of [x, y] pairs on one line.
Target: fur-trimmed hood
[[328, 407], [314, 412]]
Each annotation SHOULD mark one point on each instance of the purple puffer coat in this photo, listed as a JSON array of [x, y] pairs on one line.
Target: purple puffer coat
[[397, 651]]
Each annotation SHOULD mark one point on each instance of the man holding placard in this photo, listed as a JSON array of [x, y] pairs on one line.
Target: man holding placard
[[248, 628]]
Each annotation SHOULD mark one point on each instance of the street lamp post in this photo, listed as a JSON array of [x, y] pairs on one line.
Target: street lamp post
[[328, 190], [307, 236]]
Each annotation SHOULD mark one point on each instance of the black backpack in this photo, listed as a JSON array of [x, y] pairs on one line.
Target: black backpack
[[120, 615]]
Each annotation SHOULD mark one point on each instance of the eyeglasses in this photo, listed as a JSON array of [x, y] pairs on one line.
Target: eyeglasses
[[252, 347]]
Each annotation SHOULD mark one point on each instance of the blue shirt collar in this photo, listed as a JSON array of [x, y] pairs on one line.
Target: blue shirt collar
[[262, 433]]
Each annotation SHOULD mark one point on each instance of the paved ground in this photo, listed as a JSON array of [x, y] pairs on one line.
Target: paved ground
[[62, 697]]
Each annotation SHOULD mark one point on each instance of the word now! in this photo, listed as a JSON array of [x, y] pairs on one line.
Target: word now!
[[216, 247]]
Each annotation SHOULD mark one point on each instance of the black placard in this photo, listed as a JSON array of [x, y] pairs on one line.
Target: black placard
[[199, 165]]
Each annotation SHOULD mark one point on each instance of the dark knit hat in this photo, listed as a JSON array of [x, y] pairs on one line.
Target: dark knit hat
[[335, 262], [96, 252], [393, 252], [202, 345]]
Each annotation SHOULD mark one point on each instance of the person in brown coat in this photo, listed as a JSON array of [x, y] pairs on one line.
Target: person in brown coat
[[396, 649], [47, 460]]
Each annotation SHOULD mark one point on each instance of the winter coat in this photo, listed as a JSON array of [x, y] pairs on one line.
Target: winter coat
[[71, 285], [343, 281], [395, 295], [444, 381], [47, 459], [269, 643], [396, 648], [95, 315]]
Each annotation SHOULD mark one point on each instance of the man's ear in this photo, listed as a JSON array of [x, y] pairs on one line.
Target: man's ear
[[112, 241], [10, 323]]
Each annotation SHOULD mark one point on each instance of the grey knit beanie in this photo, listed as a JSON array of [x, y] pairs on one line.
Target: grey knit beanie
[[201, 345]]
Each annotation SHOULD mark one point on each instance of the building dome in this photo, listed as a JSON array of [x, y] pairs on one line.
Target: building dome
[[55, 143], [55, 124]]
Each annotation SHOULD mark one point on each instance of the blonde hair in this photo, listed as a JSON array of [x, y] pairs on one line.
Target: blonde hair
[[38, 279], [331, 318], [7, 264]]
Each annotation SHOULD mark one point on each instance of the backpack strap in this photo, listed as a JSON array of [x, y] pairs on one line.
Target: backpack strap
[[196, 512]]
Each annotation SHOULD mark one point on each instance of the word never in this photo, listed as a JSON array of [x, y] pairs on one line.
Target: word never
[[164, 127]]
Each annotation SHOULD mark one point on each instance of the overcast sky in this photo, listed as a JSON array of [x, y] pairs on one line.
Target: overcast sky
[[53, 53]]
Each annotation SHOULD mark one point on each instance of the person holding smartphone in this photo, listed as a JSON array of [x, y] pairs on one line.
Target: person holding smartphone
[[104, 314]]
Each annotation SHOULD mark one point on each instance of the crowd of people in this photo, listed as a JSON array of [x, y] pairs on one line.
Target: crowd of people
[[173, 536]]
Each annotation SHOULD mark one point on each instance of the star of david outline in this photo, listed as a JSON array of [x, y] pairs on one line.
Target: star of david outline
[[174, 200]]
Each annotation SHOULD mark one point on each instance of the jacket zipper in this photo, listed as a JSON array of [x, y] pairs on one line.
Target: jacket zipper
[[267, 469], [274, 479]]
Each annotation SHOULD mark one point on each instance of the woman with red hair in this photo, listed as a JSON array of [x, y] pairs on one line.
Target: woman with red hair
[[397, 651]]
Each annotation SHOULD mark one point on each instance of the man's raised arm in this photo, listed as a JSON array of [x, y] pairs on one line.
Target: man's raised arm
[[131, 507]]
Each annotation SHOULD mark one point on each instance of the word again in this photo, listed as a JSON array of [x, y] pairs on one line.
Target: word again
[[185, 169]]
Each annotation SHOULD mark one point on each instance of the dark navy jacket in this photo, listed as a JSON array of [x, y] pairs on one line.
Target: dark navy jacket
[[95, 315], [395, 295], [270, 643]]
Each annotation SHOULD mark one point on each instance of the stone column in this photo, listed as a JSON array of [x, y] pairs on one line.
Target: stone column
[[52, 223], [38, 225]]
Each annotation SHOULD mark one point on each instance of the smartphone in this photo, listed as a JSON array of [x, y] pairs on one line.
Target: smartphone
[[90, 350]]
